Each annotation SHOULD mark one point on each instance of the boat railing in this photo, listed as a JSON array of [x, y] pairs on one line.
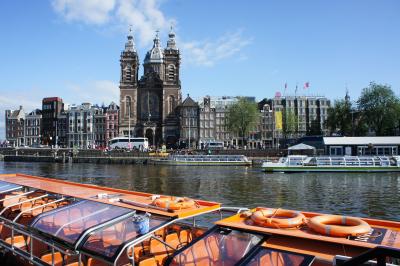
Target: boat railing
[[379, 253], [19, 229]]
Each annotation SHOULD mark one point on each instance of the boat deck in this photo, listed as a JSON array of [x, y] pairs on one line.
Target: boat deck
[[91, 192], [387, 232]]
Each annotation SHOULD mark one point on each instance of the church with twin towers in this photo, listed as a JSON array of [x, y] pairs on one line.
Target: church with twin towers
[[148, 104]]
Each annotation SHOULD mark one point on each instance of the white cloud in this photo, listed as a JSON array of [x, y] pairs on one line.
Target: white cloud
[[146, 17], [207, 53], [88, 11]]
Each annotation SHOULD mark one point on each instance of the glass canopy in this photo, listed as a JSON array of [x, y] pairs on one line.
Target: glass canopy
[[6, 187], [219, 247], [275, 257], [69, 223], [107, 241]]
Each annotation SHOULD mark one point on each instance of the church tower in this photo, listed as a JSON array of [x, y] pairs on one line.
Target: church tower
[[172, 83], [129, 62]]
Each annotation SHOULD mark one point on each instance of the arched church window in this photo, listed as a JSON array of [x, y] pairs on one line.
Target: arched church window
[[171, 104], [128, 105], [171, 72]]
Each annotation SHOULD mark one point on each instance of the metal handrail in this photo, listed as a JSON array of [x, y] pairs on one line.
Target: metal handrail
[[102, 225], [37, 207], [31, 257], [80, 218], [21, 202]]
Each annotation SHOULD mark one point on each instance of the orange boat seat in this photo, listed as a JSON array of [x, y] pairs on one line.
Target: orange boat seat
[[158, 250], [19, 242], [148, 262], [95, 262], [172, 240], [58, 258], [185, 236], [197, 255], [160, 233]]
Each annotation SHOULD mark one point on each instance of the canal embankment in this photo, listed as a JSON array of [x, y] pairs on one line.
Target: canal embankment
[[115, 156]]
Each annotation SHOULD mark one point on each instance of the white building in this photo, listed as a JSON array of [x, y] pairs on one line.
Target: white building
[[81, 128], [33, 122]]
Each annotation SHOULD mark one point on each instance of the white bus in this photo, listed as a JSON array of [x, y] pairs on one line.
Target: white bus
[[214, 145], [123, 143]]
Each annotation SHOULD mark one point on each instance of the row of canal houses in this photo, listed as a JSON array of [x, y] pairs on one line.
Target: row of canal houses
[[202, 121], [83, 126]]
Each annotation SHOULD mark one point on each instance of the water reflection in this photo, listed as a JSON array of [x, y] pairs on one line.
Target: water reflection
[[372, 195]]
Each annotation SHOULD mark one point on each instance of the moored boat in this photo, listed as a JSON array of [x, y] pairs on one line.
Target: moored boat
[[204, 160], [302, 163], [54, 222]]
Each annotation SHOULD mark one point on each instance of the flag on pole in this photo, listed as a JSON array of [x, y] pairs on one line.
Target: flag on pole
[[306, 85], [295, 91], [285, 85], [278, 120]]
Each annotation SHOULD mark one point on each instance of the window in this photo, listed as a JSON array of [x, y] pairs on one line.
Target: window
[[171, 104], [171, 72], [128, 105]]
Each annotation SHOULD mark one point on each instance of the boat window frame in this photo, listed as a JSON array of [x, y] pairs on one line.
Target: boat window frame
[[263, 238], [245, 260], [123, 245], [75, 245]]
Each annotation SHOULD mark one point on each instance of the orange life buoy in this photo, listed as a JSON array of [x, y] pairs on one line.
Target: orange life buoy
[[277, 218], [174, 203], [339, 226]]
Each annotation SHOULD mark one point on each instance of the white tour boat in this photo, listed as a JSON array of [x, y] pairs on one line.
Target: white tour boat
[[302, 163]]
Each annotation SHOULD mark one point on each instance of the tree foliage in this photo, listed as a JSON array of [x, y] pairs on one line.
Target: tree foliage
[[290, 123], [380, 108], [340, 118], [315, 128], [241, 117]]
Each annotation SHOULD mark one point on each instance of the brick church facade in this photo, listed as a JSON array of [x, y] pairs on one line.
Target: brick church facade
[[148, 105]]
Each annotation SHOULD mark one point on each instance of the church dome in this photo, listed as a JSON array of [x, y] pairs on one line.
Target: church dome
[[155, 55]]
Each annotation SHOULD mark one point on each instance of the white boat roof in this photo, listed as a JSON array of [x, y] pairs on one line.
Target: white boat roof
[[362, 140], [301, 146]]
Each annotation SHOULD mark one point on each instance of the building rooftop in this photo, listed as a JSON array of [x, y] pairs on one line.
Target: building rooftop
[[362, 140]]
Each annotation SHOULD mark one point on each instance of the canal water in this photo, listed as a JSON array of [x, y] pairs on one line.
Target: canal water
[[374, 195]]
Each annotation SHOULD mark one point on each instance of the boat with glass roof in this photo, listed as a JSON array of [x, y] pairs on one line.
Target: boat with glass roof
[[303, 163], [55, 222], [204, 160]]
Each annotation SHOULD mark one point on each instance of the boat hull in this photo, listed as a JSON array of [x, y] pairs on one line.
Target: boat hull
[[330, 169], [194, 163]]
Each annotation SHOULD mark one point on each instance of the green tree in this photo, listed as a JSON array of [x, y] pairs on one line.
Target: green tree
[[380, 109], [340, 119], [242, 117], [315, 128], [289, 123]]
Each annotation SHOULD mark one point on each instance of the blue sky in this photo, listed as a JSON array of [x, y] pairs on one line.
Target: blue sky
[[71, 48]]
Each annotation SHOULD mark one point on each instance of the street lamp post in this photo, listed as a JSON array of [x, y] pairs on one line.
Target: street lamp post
[[189, 132], [129, 124]]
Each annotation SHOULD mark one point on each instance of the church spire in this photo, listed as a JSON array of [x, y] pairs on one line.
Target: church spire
[[171, 44], [130, 44]]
